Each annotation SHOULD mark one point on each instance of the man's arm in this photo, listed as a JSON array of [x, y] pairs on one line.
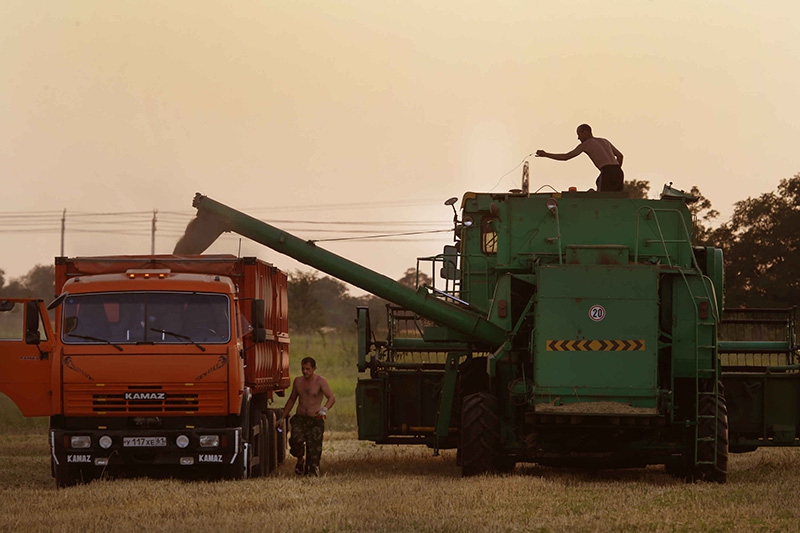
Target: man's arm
[[617, 154], [326, 390], [561, 157], [287, 409]]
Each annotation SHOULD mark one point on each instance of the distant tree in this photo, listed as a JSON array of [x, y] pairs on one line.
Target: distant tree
[[703, 216], [636, 188], [317, 302], [305, 311], [411, 279], [39, 282], [761, 247]]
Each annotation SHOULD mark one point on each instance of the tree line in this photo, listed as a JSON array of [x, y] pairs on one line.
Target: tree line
[[760, 244]]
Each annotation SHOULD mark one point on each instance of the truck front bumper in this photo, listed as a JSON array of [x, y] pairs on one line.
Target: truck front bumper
[[126, 448]]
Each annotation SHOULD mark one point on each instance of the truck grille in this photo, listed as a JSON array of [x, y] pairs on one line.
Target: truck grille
[[144, 400]]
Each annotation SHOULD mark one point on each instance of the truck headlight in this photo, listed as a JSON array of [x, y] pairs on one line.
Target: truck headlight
[[182, 441], [80, 442], [209, 441], [105, 442]]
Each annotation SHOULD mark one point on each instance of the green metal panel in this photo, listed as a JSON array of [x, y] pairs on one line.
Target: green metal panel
[[764, 408], [371, 408], [615, 306], [693, 339]]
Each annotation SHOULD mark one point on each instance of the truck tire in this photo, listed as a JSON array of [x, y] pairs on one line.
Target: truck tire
[[255, 445], [480, 434], [65, 476], [271, 437], [240, 466], [282, 436]]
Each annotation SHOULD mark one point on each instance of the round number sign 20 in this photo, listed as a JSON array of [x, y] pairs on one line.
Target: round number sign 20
[[597, 313]]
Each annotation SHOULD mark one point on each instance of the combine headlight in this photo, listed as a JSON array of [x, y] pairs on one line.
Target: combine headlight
[[182, 441], [80, 442], [209, 441], [105, 442]]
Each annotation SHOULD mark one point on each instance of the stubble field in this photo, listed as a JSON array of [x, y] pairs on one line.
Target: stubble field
[[366, 487]]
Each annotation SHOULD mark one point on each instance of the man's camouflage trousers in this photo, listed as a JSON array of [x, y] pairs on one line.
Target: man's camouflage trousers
[[306, 438]]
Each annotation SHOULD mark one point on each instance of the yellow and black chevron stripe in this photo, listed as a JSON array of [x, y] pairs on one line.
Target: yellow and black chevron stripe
[[595, 346]]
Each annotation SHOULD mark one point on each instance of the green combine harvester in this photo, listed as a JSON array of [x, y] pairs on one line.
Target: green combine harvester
[[565, 329]]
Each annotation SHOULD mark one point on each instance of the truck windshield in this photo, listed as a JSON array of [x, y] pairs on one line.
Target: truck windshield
[[146, 317]]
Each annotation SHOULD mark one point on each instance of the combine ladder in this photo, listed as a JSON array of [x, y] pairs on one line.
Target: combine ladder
[[705, 328]]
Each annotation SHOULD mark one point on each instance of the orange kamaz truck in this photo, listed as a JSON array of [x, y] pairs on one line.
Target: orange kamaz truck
[[157, 364]]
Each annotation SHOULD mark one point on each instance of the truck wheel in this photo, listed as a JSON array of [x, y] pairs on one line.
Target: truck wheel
[[65, 476], [271, 437], [480, 434], [282, 436], [255, 445], [238, 469]]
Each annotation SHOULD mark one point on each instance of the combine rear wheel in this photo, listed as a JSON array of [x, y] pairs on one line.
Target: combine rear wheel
[[712, 423], [712, 430], [480, 434]]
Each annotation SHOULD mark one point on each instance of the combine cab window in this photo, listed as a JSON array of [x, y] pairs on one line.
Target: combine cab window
[[488, 236], [146, 317]]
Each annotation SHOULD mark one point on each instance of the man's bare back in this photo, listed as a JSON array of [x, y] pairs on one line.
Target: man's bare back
[[600, 151]]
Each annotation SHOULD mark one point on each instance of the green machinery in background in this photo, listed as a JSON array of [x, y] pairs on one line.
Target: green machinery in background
[[562, 328]]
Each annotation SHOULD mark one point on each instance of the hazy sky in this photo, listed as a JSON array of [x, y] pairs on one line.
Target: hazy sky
[[371, 111]]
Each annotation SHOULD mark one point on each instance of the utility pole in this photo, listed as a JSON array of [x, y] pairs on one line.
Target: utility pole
[[63, 228], [153, 234]]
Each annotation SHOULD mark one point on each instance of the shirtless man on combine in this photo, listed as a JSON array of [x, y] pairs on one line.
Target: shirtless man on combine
[[308, 425], [602, 153]]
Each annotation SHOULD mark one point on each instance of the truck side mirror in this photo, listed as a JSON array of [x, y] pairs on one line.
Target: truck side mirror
[[259, 315], [32, 323]]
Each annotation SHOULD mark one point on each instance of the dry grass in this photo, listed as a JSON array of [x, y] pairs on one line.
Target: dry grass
[[366, 487]]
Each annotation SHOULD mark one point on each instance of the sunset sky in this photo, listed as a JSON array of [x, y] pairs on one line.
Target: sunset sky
[[371, 112]]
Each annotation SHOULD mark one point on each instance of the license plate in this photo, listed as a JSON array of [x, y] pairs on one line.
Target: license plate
[[143, 442]]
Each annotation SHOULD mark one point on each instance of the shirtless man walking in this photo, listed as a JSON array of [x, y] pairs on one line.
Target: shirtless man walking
[[308, 425], [602, 153]]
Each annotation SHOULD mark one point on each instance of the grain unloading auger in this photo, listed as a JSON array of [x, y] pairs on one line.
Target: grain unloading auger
[[213, 218], [574, 328]]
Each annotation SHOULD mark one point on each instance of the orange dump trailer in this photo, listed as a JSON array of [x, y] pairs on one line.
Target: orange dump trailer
[[157, 364]]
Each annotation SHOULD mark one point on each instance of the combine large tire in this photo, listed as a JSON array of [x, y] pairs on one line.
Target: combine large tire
[[480, 434], [713, 423], [708, 428]]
